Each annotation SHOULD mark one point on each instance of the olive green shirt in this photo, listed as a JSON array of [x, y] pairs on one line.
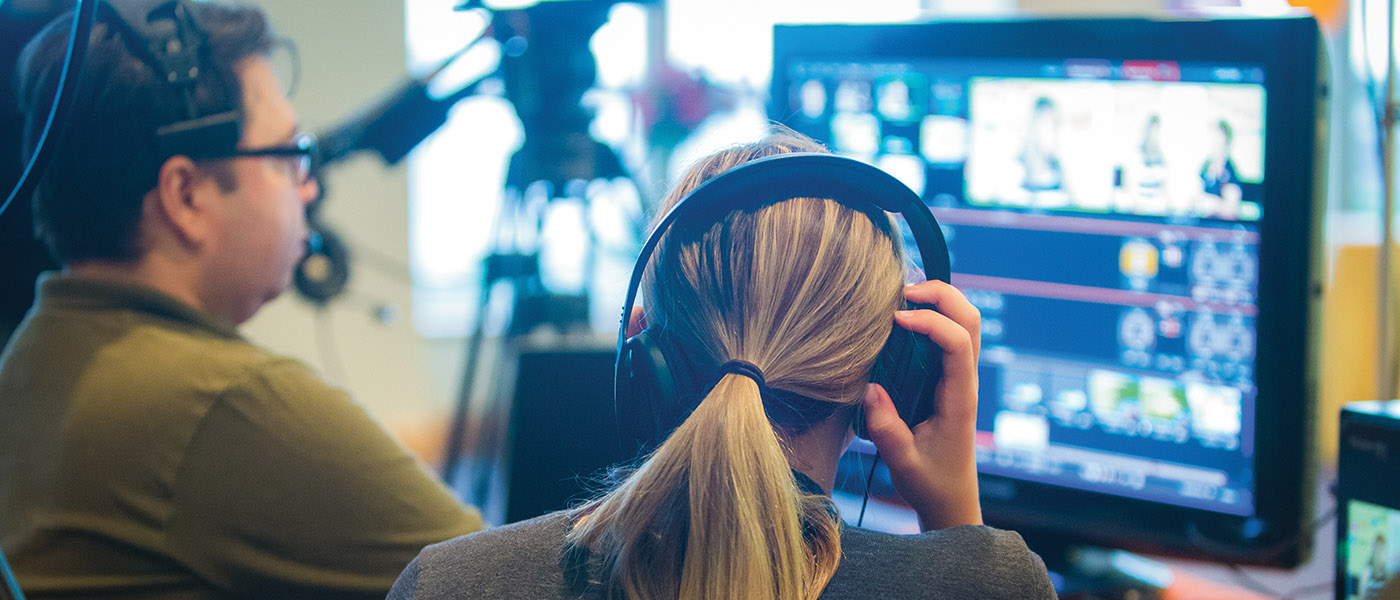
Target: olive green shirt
[[148, 451]]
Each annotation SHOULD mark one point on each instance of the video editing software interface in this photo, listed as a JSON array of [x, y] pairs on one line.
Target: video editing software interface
[[1103, 216]]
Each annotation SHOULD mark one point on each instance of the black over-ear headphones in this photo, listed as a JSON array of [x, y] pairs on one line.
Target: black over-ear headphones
[[655, 387], [167, 36]]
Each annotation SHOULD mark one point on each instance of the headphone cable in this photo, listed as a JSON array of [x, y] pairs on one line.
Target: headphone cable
[[866, 498], [83, 17]]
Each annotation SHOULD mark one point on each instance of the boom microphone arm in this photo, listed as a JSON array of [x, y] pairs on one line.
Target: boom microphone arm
[[395, 123]]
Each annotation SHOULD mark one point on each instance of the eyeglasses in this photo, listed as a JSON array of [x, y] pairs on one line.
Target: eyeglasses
[[302, 149]]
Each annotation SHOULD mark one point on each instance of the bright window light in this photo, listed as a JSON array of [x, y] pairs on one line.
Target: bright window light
[[457, 176]]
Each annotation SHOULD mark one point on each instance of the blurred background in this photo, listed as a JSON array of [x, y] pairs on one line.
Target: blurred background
[[674, 80]]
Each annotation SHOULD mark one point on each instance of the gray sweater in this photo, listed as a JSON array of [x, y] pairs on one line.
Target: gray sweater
[[528, 560]]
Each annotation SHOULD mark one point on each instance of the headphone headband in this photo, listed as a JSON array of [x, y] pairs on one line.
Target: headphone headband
[[168, 37], [906, 367], [797, 175]]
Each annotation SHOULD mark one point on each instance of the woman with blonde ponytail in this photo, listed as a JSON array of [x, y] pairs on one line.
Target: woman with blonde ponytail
[[782, 310]]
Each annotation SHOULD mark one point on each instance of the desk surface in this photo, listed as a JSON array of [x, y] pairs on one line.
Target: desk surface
[[1313, 579]]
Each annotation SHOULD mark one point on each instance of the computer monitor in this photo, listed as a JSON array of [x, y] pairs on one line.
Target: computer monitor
[[1134, 206]]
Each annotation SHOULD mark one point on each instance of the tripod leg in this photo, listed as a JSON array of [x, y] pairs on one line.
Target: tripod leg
[[490, 449], [453, 453]]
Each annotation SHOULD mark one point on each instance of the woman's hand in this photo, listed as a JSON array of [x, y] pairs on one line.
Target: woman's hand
[[934, 466]]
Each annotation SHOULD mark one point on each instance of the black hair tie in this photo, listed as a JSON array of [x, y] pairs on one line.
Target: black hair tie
[[747, 369], [789, 410]]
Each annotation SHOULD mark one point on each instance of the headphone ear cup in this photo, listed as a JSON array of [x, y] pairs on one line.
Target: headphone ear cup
[[908, 367], [648, 389]]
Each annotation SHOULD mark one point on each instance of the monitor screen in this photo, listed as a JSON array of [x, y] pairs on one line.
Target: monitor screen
[[1111, 207], [1371, 561]]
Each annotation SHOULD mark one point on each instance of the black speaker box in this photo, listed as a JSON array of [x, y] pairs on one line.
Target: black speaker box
[[564, 432]]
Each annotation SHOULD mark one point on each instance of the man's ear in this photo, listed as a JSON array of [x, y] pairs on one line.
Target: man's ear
[[179, 199]]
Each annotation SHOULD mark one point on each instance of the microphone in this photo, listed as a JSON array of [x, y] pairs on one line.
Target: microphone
[[391, 126], [324, 271]]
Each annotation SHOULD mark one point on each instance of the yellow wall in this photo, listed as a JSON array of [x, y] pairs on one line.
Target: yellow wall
[[1349, 339]]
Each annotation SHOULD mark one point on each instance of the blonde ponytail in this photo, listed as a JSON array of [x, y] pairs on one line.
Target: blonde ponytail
[[804, 289], [723, 472]]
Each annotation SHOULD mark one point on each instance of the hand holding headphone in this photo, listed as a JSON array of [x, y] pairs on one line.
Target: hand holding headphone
[[933, 464]]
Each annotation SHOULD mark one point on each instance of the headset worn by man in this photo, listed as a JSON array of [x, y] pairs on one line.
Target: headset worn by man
[[146, 449]]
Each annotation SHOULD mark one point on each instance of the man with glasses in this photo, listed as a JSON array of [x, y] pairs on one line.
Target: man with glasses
[[146, 449]]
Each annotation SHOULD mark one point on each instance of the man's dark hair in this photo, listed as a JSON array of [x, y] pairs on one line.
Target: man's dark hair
[[88, 204]]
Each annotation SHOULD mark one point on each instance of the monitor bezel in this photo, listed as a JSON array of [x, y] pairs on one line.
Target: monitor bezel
[[1289, 51]]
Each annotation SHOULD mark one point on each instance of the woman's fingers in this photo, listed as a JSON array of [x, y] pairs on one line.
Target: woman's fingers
[[951, 303], [887, 430], [957, 388]]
